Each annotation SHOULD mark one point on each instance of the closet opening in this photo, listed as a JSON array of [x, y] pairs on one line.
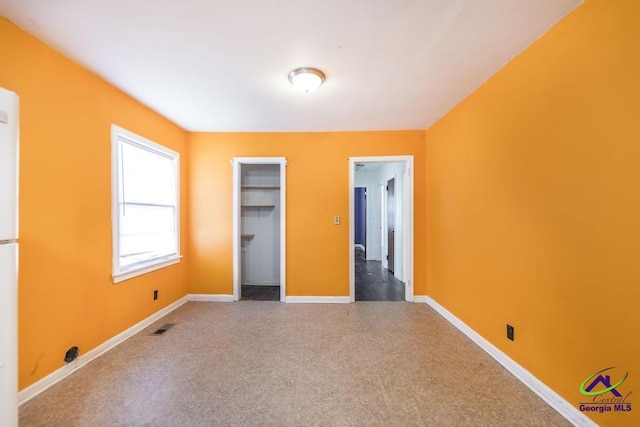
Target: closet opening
[[259, 229]]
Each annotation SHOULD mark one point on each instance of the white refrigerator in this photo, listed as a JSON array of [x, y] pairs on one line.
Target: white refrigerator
[[9, 137]]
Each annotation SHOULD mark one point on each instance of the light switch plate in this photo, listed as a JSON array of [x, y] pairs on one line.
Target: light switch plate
[[336, 220]]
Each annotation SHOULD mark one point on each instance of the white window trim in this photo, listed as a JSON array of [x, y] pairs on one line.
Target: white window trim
[[125, 273]]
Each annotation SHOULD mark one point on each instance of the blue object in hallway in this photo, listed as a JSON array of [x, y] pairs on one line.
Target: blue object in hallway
[[360, 219]]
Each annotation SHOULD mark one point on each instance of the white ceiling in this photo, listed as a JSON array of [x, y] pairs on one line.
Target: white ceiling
[[371, 166], [213, 65]]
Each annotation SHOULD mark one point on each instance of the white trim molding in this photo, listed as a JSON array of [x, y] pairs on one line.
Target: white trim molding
[[554, 400], [237, 163], [210, 297], [318, 300], [408, 207], [41, 385], [120, 138], [130, 274], [422, 299]]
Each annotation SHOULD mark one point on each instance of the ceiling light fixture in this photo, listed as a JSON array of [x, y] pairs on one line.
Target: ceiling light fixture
[[306, 79]]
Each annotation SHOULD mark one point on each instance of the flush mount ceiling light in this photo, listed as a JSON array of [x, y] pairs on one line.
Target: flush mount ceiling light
[[306, 79]]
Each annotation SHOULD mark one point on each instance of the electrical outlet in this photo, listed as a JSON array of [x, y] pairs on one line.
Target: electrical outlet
[[510, 332], [336, 220], [155, 294]]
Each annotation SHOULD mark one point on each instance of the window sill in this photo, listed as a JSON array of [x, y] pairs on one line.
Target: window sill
[[144, 269]]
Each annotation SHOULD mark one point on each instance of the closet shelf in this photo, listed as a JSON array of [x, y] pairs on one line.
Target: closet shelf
[[258, 206], [247, 236], [260, 187]]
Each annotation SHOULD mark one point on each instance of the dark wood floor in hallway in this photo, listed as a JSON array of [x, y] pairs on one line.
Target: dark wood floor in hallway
[[375, 283], [260, 293]]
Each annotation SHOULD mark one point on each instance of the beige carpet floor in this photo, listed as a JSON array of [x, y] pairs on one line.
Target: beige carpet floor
[[269, 363]]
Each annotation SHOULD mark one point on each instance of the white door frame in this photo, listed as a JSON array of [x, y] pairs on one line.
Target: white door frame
[[407, 212], [237, 164]]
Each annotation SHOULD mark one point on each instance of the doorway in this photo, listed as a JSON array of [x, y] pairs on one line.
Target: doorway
[[360, 206], [383, 268], [391, 224], [259, 228]]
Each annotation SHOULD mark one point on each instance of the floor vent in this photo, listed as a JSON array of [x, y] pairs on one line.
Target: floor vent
[[164, 328]]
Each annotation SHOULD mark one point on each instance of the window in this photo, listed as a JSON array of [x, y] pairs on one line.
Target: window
[[145, 205]]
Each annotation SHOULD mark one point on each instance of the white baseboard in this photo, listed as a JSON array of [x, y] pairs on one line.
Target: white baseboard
[[420, 299], [556, 401], [318, 300], [41, 385], [210, 297]]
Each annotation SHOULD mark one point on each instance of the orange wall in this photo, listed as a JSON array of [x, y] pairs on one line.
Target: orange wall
[[66, 296], [317, 190], [529, 187], [534, 204]]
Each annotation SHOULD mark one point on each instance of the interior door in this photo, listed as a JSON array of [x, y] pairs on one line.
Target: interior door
[[391, 223]]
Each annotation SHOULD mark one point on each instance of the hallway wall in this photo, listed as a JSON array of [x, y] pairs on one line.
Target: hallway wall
[[395, 171]]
